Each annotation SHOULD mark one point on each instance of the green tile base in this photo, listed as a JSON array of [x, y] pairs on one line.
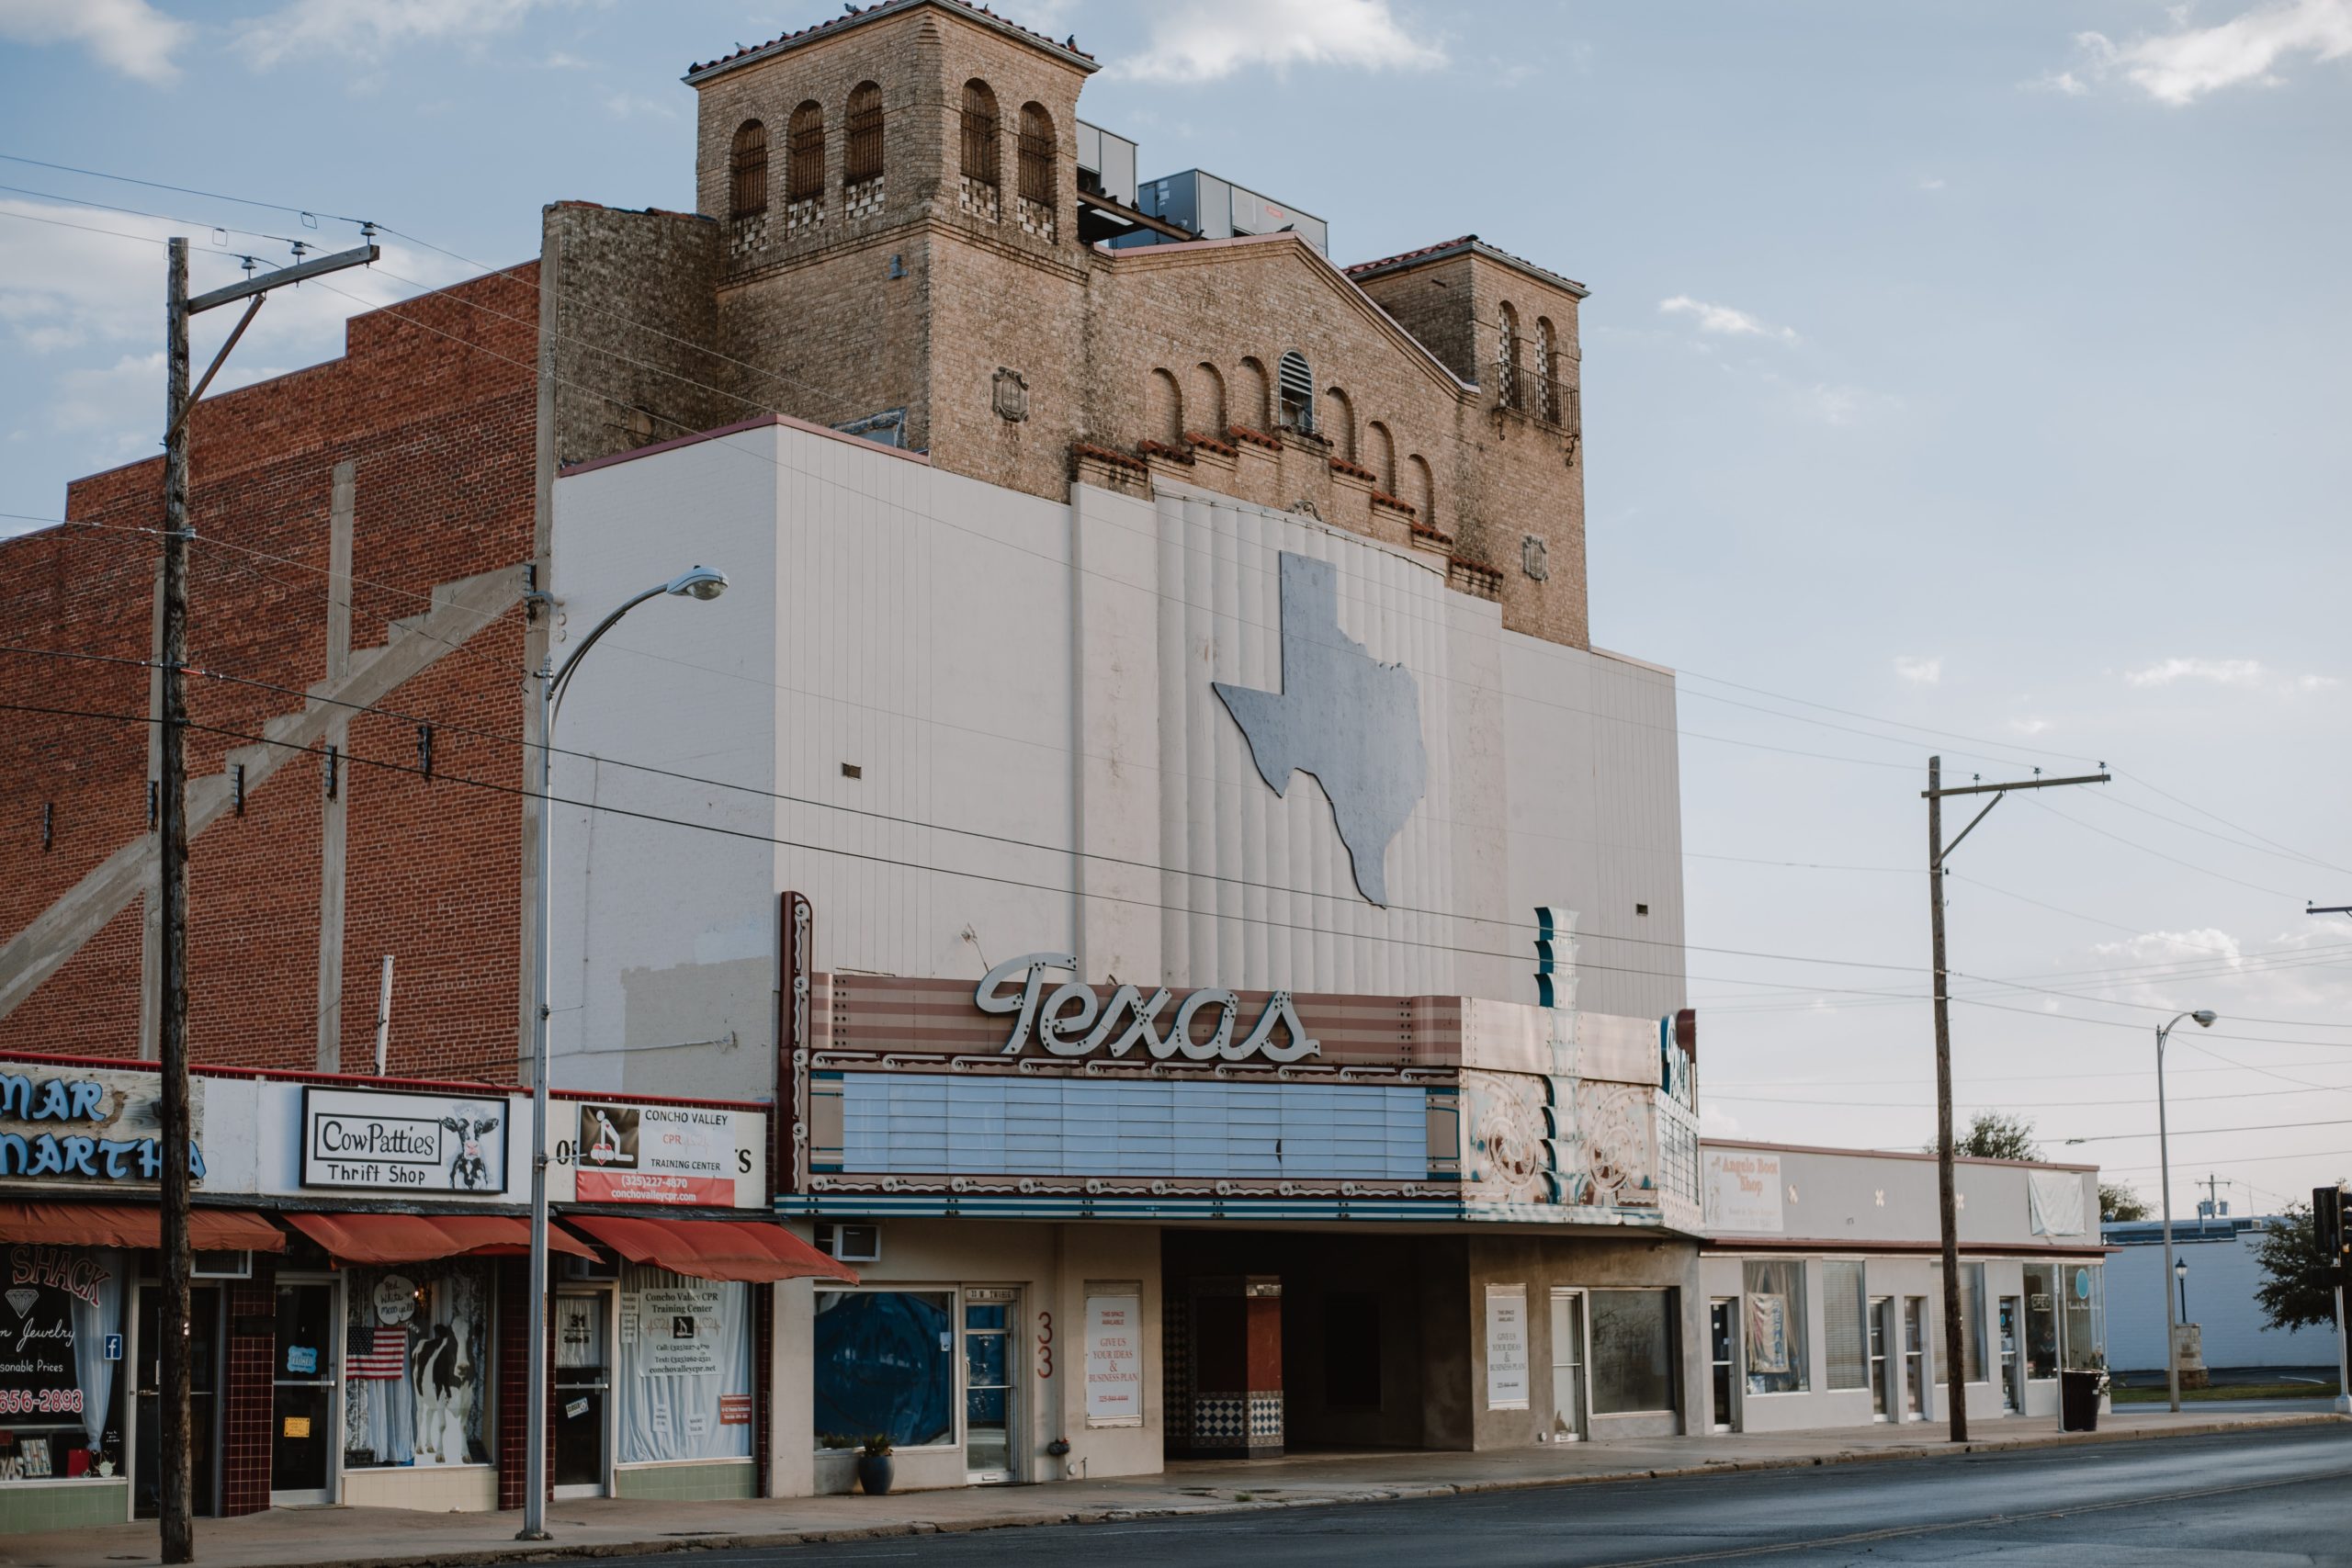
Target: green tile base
[[75, 1505], [686, 1482]]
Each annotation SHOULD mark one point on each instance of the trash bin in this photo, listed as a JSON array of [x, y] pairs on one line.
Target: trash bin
[[2079, 1397]]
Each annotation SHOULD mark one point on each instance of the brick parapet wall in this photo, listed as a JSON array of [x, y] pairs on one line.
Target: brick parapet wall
[[432, 403]]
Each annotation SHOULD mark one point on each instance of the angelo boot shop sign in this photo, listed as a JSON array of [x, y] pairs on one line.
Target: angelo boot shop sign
[[98, 1128]]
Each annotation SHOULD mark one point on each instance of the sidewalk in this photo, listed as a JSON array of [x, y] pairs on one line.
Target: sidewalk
[[389, 1537]]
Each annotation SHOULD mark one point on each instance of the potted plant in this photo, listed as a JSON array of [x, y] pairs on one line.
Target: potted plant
[[874, 1464]]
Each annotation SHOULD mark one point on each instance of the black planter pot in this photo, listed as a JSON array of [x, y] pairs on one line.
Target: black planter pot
[[874, 1473]]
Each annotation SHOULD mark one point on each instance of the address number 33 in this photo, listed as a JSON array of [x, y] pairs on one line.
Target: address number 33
[[1044, 1345]]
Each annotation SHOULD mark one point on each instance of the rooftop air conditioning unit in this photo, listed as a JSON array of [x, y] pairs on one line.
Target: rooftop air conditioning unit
[[850, 1243]]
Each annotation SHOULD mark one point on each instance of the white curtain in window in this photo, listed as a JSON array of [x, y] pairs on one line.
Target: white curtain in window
[[92, 1323], [685, 1366]]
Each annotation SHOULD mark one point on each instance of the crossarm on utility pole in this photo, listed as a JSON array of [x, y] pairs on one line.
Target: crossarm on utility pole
[[1970, 829], [358, 256]]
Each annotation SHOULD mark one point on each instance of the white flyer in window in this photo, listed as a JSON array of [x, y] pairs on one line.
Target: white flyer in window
[[680, 1331], [1507, 1359], [1114, 1361]]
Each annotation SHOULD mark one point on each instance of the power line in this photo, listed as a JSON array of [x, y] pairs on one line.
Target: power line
[[188, 190], [2199, 1131]]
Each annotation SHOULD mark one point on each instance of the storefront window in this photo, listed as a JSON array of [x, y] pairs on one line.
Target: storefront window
[[416, 1363], [2084, 1285], [58, 1388], [2042, 1320], [686, 1372], [885, 1362], [1632, 1351], [1776, 1327], [1845, 1311]]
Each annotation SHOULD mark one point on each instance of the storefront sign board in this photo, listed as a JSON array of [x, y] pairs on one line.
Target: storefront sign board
[[404, 1142], [1507, 1353], [1743, 1190], [73, 1127], [37, 1376], [1115, 1359], [616, 1151]]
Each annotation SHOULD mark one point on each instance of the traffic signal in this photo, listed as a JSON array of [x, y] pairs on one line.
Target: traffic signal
[[2327, 1217]]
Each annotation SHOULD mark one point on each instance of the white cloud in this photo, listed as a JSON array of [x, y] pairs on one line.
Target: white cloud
[[2186, 64], [366, 29], [633, 105], [2064, 83], [1203, 41], [564, 60], [1722, 318], [2203, 946], [1921, 671], [2315, 682], [1931, 183], [128, 36], [2029, 725], [1716, 1123], [2213, 672]]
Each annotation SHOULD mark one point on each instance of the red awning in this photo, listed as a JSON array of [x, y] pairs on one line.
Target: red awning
[[757, 1252], [133, 1224], [414, 1238]]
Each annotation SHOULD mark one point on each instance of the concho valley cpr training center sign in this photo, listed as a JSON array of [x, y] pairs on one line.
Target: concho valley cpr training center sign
[[631, 1152]]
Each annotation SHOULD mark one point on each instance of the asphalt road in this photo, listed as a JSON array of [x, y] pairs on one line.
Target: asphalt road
[[2262, 1499]]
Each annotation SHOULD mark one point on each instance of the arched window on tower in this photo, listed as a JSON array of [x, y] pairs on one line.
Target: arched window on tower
[[804, 173], [1421, 490], [864, 123], [1208, 400], [1507, 366], [1547, 372], [747, 171], [1247, 404], [976, 192], [1036, 171], [1339, 423], [1164, 414], [1297, 392]]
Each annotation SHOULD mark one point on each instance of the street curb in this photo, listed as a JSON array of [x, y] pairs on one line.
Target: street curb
[[484, 1557]]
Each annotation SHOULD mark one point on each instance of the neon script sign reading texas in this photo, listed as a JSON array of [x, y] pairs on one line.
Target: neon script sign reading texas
[[1071, 1020], [68, 1154]]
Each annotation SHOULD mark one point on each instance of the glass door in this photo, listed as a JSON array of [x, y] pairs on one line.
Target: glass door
[[1915, 1363], [304, 1423], [1569, 1403], [2012, 1372], [989, 1403], [1722, 1339], [203, 1399], [1882, 1380], [584, 1388]]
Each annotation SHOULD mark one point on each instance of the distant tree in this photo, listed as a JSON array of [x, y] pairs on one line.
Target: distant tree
[[2298, 1289], [1996, 1135], [2118, 1201]]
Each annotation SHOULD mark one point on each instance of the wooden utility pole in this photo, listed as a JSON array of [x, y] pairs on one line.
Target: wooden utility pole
[[1947, 1198], [175, 1492], [175, 1496]]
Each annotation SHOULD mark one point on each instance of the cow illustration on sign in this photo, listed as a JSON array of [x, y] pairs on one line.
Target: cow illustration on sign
[[1343, 716], [468, 1168]]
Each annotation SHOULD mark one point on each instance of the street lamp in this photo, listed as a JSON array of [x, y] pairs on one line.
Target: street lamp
[[2204, 1017], [2180, 1273], [699, 582]]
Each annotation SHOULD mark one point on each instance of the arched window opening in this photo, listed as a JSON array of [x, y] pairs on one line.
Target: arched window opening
[[1422, 490], [805, 157], [1164, 410], [1511, 394], [1036, 156], [979, 132], [1208, 400], [1297, 392], [747, 171], [1380, 456], [1547, 372], [863, 122], [1339, 423], [1249, 405]]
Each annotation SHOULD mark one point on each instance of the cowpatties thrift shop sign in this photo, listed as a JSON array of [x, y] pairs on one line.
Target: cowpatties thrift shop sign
[[403, 1142]]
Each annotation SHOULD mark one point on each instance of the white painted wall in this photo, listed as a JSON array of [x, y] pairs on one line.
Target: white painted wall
[[1024, 686]]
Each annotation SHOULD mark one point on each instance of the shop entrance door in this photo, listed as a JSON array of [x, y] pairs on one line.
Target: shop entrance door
[[305, 1420], [1915, 1362], [1881, 1378], [990, 1406], [2012, 1372], [584, 1390], [1569, 1403], [1723, 1340], [203, 1400]]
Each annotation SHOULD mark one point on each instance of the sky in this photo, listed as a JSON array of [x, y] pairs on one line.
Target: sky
[[1959, 378]]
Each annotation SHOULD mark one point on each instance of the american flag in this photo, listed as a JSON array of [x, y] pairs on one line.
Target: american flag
[[385, 1361]]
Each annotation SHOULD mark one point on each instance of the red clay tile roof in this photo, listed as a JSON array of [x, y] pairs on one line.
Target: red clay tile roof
[[1409, 256], [856, 14]]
